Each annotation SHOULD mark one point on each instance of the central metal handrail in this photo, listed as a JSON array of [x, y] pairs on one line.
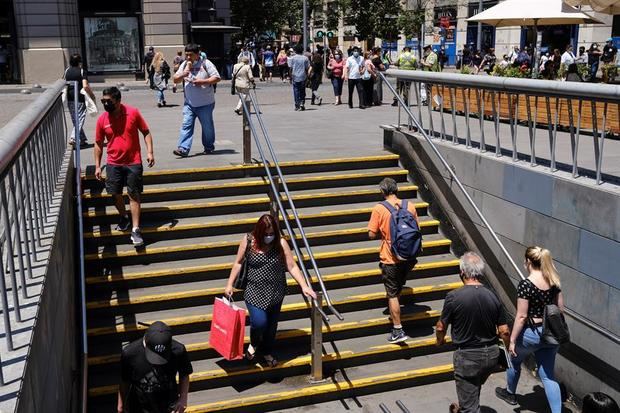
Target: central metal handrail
[[457, 181], [278, 200]]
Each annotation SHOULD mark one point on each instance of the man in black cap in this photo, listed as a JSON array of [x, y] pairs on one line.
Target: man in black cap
[[148, 370]]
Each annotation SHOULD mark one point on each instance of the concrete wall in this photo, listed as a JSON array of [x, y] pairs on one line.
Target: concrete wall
[[51, 379], [576, 220]]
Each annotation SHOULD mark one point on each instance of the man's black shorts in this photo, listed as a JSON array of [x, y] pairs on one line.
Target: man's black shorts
[[119, 176], [394, 277]]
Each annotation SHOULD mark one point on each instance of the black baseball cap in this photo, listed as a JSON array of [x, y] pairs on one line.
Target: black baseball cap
[[158, 343]]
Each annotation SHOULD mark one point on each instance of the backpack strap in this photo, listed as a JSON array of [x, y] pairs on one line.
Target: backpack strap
[[388, 206], [403, 204]]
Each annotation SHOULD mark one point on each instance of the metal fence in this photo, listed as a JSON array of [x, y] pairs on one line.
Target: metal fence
[[563, 125], [32, 151]]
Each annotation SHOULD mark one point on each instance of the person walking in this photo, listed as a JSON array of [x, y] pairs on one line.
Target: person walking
[[393, 271], [476, 316], [268, 256], [149, 367], [148, 59], [368, 79], [199, 77], [119, 127], [406, 61], [542, 287], [336, 65], [316, 77], [594, 58], [282, 61], [488, 62], [244, 79], [353, 76], [161, 74], [246, 52], [299, 66], [377, 89], [75, 73], [268, 63], [568, 57], [176, 63]]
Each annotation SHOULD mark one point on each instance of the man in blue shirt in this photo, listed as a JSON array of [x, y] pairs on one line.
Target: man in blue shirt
[[298, 65], [198, 76]]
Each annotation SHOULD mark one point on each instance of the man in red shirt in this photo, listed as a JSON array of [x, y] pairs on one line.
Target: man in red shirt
[[119, 127]]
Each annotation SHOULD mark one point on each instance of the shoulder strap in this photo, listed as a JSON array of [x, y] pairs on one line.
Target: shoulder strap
[[388, 206], [403, 204], [248, 243]]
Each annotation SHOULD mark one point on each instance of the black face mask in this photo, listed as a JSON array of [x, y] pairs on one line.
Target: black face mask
[[109, 107]]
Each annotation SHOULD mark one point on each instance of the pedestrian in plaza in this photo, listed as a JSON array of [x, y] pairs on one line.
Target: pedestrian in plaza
[[405, 61], [149, 367], [542, 287], [353, 76], [443, 57], [368, 79], [488, 62], [119, 127], [161, 74], [568, 57], [282, 61], [269, 58], [476, 316], [316, 78], [199, 77], [505, 63], [582, 58], [148, 59], [299, 66], [609, 52], [244, 80], [268, 257], [336, 65], [594, 58], [514, 54], [176, 63], [246, 52], [572, 74], [377, 91], [75, 73], [554, 64], [394, 271], [598, 402]]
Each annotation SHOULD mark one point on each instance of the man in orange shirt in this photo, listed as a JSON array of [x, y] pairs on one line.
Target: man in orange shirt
[[394, 272]]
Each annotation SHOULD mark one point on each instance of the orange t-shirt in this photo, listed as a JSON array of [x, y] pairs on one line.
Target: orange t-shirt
[[380, 223]]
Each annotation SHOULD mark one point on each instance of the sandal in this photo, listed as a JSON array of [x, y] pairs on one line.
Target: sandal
[[270, 360]]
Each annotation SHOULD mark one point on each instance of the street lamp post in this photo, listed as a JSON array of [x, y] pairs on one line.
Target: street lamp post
[[305, 23], [479, 37]]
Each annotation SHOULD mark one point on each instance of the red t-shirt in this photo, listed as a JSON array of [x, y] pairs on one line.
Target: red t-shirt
[[121, 134]]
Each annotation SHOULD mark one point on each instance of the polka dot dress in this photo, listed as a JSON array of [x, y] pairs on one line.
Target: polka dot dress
[[537, 298], [266, 279]]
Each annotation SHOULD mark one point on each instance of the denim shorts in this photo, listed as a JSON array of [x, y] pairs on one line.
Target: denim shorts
[[119, 176]]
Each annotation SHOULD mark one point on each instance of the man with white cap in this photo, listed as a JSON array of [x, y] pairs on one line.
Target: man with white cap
[[148, 373]]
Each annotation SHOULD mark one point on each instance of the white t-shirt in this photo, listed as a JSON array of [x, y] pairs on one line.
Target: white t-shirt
[[353, 67], [201, 95], [568, 58]]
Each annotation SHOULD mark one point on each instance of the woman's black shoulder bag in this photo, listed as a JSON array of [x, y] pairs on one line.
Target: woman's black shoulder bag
[[242, 279]]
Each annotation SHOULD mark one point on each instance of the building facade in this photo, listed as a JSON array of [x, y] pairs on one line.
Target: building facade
[[37, 37]]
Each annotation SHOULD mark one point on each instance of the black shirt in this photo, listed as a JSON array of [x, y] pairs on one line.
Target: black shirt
[[609, 53], [474, 312], [73, 74], [153, 388]]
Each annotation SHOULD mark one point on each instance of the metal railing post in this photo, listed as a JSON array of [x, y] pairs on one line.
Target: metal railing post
[[247, 139], [316, 372]]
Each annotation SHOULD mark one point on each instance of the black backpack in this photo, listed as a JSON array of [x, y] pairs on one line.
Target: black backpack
[[555, 330]]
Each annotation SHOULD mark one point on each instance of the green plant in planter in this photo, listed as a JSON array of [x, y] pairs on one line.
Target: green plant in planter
[[466, 70], [610, 71]]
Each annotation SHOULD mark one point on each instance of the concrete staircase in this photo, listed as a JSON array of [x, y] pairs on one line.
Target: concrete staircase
[[193, 221]]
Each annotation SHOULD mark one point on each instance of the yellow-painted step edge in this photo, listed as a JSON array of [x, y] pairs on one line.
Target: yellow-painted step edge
[[296, 333], [242, 167], [224, 244], [243, 370], [262, 200], [253, 183], [309, 391]]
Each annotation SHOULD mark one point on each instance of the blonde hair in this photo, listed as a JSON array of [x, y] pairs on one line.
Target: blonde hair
[[541, 259], [158, 59]]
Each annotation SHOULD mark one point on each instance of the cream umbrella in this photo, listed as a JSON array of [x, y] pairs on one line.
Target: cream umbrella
[[603, 6], [533, 13]]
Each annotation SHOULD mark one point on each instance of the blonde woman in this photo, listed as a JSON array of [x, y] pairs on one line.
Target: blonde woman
[[244, 79], [161, 74], [541, 288]]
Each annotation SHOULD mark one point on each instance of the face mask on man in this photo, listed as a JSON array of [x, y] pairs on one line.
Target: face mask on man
[[268, 239], [109, 106], [356, 54]]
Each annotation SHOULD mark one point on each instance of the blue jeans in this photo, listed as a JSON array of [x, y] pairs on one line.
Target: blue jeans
[[205, 116], [263, 327], [528, 343], [299, 93], [81, 117], [159, 94], [337, 84], [593, 71]]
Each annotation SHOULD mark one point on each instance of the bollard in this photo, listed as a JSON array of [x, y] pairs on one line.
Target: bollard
[[247, 140]]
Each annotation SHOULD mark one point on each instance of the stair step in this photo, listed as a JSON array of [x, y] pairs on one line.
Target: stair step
[[236, 372], [250, 187], [240, 171]]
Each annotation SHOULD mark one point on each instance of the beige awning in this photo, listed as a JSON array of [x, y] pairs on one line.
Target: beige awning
[[603, 6]]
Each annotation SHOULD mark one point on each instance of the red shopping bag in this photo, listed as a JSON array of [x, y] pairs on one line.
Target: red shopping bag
[[227, 329]]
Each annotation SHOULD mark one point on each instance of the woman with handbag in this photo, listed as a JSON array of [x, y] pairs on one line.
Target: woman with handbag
[[242, 80], [540, 289], [265, 257], [161, 74], [336, 65]]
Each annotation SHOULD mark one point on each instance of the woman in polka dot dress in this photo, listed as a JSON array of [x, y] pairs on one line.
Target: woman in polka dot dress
[[269, 256], [541, 288]]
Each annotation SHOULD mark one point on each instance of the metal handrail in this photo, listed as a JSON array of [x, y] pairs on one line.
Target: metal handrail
[[275, 191], [315, 267], [424, 76]]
